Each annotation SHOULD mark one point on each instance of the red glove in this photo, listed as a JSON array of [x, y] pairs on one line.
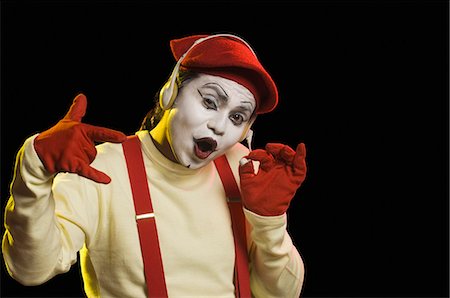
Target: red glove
[[281, 172], [69, 145]]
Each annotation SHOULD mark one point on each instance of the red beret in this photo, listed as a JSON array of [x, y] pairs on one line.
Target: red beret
[[230, 58]]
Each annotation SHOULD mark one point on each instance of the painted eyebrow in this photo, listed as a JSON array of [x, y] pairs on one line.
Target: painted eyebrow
[[249, 103], [224, 96], [246, 108], [222, 93]]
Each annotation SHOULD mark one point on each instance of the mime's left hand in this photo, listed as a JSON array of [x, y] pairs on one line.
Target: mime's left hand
[[281, 172]]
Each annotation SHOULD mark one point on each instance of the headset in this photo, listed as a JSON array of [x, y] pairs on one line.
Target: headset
[[169, 91]]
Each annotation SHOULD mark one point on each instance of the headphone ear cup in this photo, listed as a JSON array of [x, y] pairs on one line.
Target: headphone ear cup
[[168, 94]]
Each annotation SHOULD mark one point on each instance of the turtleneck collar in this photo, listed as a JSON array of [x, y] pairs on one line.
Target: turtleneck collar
[[152, 152]]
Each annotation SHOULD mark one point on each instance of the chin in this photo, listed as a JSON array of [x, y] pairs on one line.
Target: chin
[[190, 163], [193, 163]]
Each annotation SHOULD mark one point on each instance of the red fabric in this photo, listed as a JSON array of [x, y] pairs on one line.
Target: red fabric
[[229, 58], [281, 172], [148, 235], [69, 146], [242, 279]]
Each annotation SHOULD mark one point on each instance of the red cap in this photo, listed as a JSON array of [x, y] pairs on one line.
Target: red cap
[[230, 58]]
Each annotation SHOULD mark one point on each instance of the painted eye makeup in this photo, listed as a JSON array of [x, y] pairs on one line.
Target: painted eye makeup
[[209, 101], [237, 118]]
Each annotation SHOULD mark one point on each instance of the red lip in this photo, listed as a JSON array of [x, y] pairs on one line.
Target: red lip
[[204, 147]]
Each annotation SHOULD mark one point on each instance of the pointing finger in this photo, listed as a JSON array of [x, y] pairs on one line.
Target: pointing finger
[[102, 134], [77, 109], [93, 174]]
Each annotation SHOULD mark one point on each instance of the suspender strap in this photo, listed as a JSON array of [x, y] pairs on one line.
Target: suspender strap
[[148, 235], [242, 280]]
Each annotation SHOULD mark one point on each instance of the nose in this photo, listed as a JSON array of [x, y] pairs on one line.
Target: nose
[[217, 125]]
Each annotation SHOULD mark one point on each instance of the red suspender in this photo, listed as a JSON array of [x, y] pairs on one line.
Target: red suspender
[[241, 272], [148, 236]]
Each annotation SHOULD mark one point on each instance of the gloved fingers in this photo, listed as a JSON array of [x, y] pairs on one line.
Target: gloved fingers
[[299, 159], [287, 154], [266, 160], [281, 152], [103, 134], [74, 163], [274, 148], [89, 172], [90, 152], [246, 168], [77, 109]]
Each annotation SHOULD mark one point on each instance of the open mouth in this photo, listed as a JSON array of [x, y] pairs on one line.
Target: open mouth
[[204, 147]]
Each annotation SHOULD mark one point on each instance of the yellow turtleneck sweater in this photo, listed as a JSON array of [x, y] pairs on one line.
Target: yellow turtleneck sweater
[[49, 219]]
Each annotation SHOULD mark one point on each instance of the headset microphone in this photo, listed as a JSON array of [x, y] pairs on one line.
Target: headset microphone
[[249, 139]]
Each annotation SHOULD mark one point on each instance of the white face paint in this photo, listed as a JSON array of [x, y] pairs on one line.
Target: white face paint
[[209, 116]]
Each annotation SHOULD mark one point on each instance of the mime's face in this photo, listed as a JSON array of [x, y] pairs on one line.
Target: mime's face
[[209, 116]]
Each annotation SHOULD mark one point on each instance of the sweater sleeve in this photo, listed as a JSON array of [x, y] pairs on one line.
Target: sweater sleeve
[[276, 267], [44, 229]]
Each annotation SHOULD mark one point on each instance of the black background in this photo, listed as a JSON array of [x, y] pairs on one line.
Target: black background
[[363, 83]]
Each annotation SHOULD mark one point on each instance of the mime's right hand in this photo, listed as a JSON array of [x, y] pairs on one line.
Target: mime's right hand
[[69, 146]]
